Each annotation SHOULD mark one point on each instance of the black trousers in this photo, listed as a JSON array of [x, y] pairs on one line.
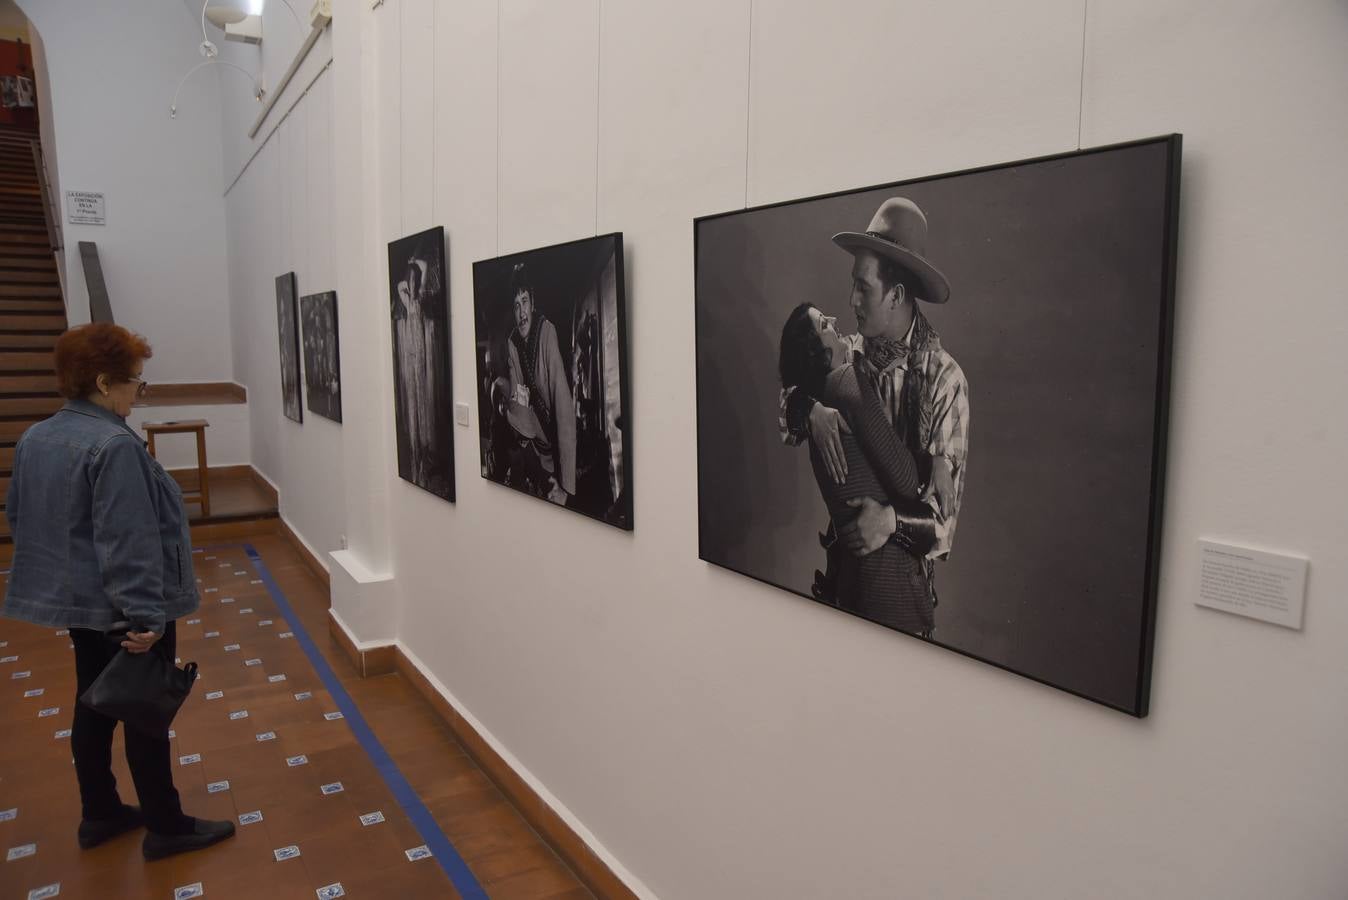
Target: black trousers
[[150, 759]]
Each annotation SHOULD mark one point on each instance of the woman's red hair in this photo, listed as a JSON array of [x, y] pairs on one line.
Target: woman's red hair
[[87, 351]]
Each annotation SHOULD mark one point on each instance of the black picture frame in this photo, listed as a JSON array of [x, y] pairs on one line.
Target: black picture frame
[[1062, 284], [422, 370], [288, 329], [578, 293], [322, 356]]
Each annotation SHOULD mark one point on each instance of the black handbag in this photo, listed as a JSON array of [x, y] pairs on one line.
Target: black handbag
[[144, 690]]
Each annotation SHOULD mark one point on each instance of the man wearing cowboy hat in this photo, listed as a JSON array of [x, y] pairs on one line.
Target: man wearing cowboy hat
[[922, 388]]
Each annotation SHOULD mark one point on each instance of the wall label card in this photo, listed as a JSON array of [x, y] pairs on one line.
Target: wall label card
[[86, 208], [1270, 587]]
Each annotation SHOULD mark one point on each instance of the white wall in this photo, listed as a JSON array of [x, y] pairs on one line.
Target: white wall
[[227, 437], [281, 220], [113, 68], [716, 737]]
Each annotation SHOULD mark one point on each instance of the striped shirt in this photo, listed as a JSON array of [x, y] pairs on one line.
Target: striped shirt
[[944, 427]]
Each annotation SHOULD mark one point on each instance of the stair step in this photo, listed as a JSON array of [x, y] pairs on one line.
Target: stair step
[[22, 343], [7, 459], [28, 384], [26, 361], [12, 430], [30, 406], [10, 308], [37, 262], [22, 236], [30, 291], [27, 276], [32, 322]]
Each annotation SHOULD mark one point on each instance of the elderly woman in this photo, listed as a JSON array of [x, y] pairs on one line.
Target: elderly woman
[[100, 538]]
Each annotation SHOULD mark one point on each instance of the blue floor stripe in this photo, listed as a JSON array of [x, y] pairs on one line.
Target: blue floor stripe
[[421, 817]]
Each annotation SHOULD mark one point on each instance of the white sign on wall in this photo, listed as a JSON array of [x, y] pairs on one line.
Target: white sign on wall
[[1254, 583], [86, 208]]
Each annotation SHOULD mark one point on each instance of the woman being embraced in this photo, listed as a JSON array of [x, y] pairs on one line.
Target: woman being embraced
[[888, 585], [101, 539]]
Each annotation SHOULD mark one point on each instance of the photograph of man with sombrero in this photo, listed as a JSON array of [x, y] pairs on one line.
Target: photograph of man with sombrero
[[552, 376], [923, 397], [844, 345]]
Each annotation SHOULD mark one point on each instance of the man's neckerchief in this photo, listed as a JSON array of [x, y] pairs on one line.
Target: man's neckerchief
[[914, 419]]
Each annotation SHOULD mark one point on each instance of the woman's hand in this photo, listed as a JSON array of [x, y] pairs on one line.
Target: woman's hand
[[139, 641], [826, 424]]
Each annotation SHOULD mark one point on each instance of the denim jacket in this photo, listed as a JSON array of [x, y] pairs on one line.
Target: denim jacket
[[100, 533]]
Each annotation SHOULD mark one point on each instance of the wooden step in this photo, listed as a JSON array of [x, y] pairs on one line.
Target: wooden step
[[26, 276], [29, 361], [10, 431], [38, 262], [30, 291], [13, 235], [7, 459], [32, 322], [28, 384], [20, 342], [30, 406], [39, 307]]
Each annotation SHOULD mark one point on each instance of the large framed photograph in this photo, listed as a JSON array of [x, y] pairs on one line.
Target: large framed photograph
[[941, 405], [288, 328], [419, 305], [554, 420], [322, 366]]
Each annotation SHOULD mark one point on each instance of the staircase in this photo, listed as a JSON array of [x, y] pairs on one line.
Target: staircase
[[32, 313]]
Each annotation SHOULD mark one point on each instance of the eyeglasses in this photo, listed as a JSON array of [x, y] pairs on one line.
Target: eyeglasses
[[141, 385]]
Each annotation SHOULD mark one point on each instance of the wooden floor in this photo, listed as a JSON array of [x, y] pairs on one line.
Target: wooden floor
[[36, 779], [235, 494]]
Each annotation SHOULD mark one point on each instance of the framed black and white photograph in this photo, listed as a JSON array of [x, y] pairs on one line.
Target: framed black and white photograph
[[419, 306], [554, 420], [322, 366], [941, 405], [287, 324]]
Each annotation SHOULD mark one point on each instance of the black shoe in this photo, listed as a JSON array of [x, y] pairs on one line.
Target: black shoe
[[203, 834], [99, 831]]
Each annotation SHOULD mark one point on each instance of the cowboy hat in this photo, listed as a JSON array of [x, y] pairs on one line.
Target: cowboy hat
[[899, 232]]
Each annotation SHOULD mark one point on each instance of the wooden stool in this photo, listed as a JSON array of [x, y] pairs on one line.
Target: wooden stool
[[198, 427]]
